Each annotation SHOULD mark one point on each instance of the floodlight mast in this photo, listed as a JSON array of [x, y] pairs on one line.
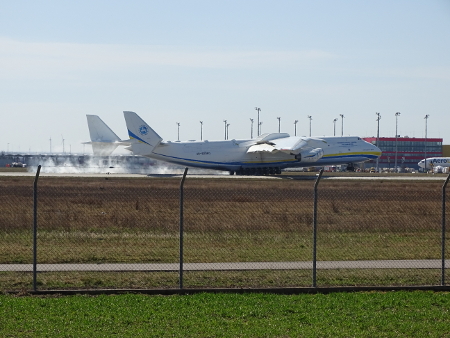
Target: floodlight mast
[[258, 109], [225, 122], [310, 119], [397, 114]]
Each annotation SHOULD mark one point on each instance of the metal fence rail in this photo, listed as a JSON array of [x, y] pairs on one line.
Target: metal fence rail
[[163, 233]]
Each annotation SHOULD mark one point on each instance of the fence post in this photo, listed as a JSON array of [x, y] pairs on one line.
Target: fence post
[[314, 276], [35, 228], [443, 232], [181, 226]]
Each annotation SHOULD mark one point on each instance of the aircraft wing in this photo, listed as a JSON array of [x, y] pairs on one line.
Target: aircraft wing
[[288, 145], [302, 148]]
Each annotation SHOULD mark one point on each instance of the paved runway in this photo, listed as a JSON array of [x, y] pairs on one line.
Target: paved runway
[[311, 176], [230, 266]]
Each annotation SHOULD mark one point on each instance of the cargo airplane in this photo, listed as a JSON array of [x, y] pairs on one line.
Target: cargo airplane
[[267, 154], [434, 162]]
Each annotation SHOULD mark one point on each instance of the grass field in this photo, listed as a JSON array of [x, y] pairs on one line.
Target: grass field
[[128, 220], [374, 314]]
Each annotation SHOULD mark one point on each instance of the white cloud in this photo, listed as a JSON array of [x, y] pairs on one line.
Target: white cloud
[[30, 59]]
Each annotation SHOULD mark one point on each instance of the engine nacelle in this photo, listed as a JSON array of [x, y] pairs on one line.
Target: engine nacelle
[[310, 155]]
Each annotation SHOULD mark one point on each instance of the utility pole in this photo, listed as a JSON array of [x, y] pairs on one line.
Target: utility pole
[[310, 119], [251, 128], [295, 127], [378, 136], [397, 114], [201, 130], [426, 136], [258, 109], [279, 123], [334, 127], [178, 124], [342, 125], [225, 122]]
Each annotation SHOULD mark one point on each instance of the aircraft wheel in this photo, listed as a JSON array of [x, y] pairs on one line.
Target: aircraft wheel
[[278, 171], [231, 172]]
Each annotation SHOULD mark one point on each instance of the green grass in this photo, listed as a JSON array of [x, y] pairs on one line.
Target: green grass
[[365, 314]]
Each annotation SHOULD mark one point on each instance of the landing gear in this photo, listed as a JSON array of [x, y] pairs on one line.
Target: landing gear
[[350, 167]]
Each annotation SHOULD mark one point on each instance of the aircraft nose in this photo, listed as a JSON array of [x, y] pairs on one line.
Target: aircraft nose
[[377, 150]]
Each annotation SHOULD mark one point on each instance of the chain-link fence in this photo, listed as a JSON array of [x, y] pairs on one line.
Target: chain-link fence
[[137, 233]]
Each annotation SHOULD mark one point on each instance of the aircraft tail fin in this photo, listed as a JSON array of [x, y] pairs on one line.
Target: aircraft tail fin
[[145, 138], [103, 140]]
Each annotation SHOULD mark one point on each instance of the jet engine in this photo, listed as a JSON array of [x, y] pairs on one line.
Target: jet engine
[[310, 155]]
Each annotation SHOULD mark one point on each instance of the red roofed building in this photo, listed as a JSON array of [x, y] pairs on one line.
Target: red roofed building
[[409, 150]]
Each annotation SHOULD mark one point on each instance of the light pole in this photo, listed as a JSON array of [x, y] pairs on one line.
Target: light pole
[[279, 123], [295, 127], [397, 114], [310, 119], [50, 145], [225, 123], [426, 125], [342, 124], [201, 130], [251, 128], [334, 127], [7, 148], [63, 144], [260, 124], [178, 124], [258, 109], [378, 133], [227, 130]]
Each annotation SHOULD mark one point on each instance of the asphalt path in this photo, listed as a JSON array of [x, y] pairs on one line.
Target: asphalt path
[[230, 266]]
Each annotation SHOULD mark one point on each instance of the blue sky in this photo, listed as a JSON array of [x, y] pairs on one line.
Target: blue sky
[[191, 61]]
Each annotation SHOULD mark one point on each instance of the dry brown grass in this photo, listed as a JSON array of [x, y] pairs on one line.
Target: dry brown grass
[[137, 220]]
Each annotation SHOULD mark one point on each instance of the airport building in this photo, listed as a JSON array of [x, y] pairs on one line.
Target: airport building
[[408, 150]]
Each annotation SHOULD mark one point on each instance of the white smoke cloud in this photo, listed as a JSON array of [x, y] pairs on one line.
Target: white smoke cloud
[[110, 165]]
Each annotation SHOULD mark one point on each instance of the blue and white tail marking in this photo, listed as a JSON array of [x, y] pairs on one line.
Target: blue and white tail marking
[[147, 139]]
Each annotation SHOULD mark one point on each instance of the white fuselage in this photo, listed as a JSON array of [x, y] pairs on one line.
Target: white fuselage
[[434, 162], [232, 155]]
